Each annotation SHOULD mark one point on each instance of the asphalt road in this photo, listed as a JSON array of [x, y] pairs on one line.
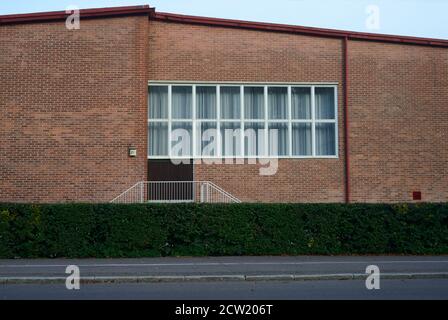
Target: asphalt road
[[421, 287], [301, 265], [418, 289]]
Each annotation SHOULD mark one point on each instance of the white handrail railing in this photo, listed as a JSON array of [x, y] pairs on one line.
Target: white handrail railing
[[175, 191]]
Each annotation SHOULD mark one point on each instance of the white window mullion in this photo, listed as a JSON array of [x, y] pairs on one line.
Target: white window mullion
[[289, 122], [266, 127], [169, 119], [218, 121], [242, 120], [193, 124], [313, 123]]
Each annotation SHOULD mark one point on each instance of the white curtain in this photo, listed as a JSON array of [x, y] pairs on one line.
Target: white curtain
[[181, 130], [278, 139], [324, 103], [230, 103], [254, 103], [278, 102], [254, 138], [205, 135], [301, 103], [158, 139], [325, 139], [206, 102], [230, 138], [181, 102], [158, 102], [301, 139]]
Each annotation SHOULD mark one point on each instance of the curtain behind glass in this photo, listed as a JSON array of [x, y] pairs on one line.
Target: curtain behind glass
[[158, 139], [301, 103], [278, 102], [254, 139], [184, 134], [205, 102], [301, 139], [158, 102], [254, 103], [231, 138], [325, 139], [206, 134], [324, 103], [230, 102], [278, 139], [181, 102]]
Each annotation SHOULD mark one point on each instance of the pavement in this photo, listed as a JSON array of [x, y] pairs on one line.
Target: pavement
[[416, 289], [218, 269]]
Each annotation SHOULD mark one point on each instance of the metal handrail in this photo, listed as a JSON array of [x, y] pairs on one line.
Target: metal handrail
[[219, 189], [175, 192], [125, 192]]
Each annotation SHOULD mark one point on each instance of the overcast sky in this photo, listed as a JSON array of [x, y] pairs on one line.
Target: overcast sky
[[423, 18]]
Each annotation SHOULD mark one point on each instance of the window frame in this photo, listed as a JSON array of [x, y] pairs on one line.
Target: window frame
[[289, 121]]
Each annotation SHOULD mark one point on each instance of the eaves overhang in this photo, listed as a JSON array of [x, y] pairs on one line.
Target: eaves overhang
[[84, 14], [218, 22], [352, 35]]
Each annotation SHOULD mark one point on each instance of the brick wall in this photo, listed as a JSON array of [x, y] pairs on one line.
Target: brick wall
[[201, 53], [71, 103], [399, 122], [398, 100]]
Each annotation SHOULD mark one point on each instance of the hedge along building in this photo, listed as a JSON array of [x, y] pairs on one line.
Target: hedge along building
[[361, 117]]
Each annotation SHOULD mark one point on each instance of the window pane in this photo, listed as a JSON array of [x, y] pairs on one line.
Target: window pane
[[158, 102], [253, 102], [206, 102], [181, 139], [301, 139], [278, 139], [301, 103], [158, 139], [254, 142], [230, 103], [230, 138], [181, 102], [206, 139], [324, 103], [278, 102], [325, 139]]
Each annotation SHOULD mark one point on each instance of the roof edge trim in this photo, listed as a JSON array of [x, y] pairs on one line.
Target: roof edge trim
[[242, 24], [353, 35], [84, 13]]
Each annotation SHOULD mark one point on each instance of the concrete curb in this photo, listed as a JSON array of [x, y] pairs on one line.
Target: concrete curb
[[209, 278]]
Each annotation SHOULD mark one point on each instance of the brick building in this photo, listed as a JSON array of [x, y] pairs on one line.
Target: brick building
[[358, 117]]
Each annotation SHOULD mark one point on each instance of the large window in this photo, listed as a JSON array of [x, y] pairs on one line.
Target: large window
[[233, 120]]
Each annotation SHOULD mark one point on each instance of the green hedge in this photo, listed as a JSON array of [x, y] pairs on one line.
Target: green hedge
[[107, 230]]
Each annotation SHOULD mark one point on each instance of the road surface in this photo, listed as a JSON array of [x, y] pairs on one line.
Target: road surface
[[430, 278], [300, 265], [418, 289]]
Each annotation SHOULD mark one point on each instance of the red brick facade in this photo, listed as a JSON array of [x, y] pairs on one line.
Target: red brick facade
[[201, 53], [398, 106], [72, 102]]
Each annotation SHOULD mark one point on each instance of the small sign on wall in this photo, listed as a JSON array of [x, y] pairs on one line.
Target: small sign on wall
[[132, 151]]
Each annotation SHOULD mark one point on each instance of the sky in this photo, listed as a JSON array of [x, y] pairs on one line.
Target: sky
[[421, 18]]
